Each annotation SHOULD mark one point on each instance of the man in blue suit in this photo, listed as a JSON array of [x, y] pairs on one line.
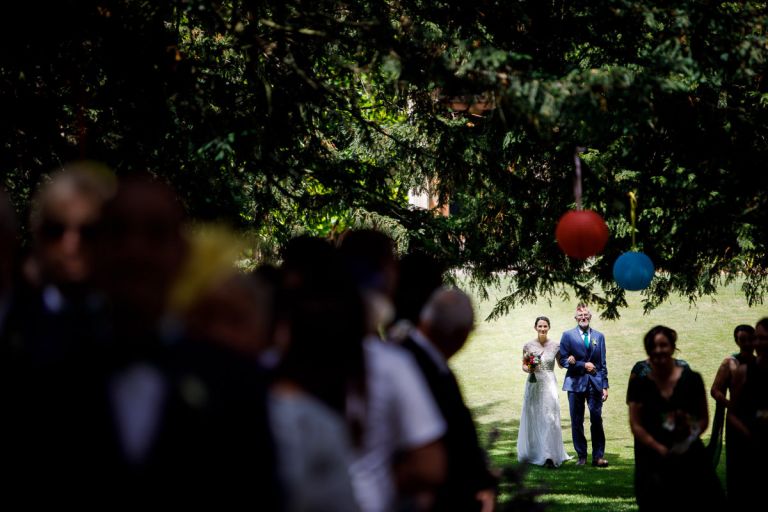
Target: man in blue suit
[[582, 353]]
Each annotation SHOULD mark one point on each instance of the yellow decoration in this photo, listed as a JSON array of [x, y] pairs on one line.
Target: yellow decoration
[[213, 252]]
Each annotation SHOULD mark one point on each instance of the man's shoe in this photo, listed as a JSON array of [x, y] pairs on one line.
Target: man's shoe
[[600, 463], [581, 462], [549, 464]]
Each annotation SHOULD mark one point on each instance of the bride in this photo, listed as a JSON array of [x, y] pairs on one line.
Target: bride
[[540, 439]]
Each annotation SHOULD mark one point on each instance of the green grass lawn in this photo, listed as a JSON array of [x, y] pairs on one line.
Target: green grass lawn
[[488, 369]]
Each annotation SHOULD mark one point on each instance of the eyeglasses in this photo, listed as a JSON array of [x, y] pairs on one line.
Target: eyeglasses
[[53, 231]]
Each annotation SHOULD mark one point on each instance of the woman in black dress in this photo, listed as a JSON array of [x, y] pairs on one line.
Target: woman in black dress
[[747, 425], [668, 413]]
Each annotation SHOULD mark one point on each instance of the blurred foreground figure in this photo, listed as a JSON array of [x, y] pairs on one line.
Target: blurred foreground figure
[[318, 400], [310, 367], [402, 459], [57, 320], [150, 416], [8, 255], [445, 323], [60, 305], [8, 299], [65, 214], [419, 275], [190, 415]]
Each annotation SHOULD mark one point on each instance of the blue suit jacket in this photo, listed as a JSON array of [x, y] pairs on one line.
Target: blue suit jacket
[[576, 377]]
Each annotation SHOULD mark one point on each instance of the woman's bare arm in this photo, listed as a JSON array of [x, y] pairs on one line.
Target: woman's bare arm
[[642, 435]]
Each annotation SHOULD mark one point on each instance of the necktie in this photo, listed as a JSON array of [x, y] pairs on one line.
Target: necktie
[[586, 340]]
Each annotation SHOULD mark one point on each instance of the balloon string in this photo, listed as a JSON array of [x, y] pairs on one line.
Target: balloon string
[[633, 208], [577, 181]]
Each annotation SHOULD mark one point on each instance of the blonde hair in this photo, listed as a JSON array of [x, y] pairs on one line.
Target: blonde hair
[[91, 180]]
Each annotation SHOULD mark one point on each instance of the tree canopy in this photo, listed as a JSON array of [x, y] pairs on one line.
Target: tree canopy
[[292, 115]]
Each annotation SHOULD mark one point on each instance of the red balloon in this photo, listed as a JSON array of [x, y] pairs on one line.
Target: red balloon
[[581, 233]]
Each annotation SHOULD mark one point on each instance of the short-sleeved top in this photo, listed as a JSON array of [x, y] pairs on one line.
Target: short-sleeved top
[[668, 420], [314, 454], [401, 415], [643, 368], [752, 407]]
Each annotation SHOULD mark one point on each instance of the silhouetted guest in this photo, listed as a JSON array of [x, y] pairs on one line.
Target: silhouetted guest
[[216, 302], [747, 424], [8, 259], [63, 221], [234, 311], [319, 400], [148, 415], [445, 323], [60, 305], [309, 261], [370, 257], [419, 275], [402, 454], [142, 250], [191, 416], [270, 278], [9, 339], [58, 318], [744, 336], [322, 315], [667, 414]]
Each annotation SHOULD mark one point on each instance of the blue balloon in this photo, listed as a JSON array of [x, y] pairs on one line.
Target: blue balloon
[[633, 271]]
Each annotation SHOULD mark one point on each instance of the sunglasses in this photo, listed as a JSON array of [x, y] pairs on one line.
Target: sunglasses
[[52, 231]]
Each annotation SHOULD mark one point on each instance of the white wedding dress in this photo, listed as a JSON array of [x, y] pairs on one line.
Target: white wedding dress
[[540, 436]]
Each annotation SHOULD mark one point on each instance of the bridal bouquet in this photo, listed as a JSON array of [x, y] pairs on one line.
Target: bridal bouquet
[[683, 428], [531, 361]]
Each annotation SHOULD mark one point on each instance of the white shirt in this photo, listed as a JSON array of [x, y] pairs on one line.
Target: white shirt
[[313, 452], [402, 415]]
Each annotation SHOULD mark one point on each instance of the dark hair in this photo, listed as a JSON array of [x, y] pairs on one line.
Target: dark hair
[[420, 275], [549, 324], [670, 333], [309, 261], [745, 328], [763, 322], [325, 314], [367, 254]]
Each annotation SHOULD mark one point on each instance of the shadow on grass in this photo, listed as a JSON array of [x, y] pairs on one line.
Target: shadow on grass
[[570, 487]]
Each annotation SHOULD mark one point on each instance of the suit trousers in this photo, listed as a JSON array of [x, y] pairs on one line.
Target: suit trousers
[[594, 400]]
